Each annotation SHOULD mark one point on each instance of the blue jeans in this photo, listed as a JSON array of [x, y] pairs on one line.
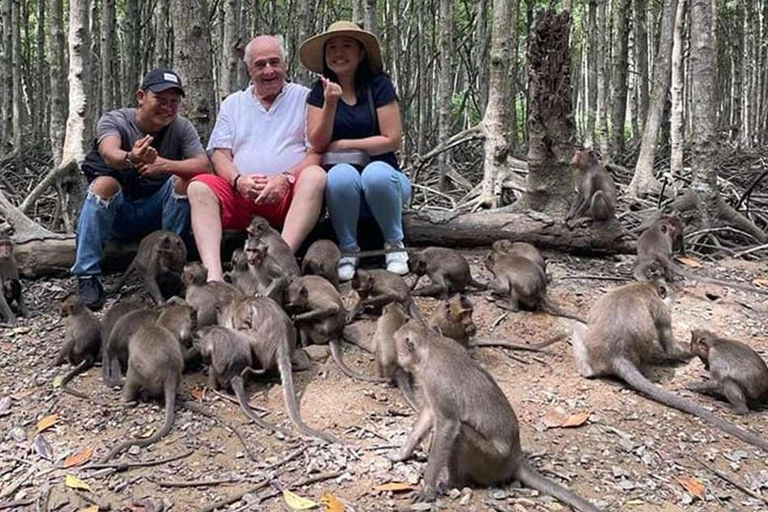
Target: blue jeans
[[123, 218], [379, 191]]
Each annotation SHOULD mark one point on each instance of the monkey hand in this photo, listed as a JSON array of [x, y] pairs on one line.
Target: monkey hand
[[426, 495], [400, 456]]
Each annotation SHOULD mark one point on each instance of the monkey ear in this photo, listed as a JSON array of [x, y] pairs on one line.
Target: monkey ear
[[663, 291], [303, 292]]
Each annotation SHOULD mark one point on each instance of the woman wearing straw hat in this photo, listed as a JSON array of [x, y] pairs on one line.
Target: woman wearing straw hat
[[354, 118]]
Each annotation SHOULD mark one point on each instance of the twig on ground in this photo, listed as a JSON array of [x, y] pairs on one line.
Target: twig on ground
[[195, 483], [124, 466], [302, 483], [728, 479], [235, 497]]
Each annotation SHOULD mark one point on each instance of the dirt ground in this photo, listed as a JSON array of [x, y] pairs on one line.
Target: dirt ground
[[630, 454]]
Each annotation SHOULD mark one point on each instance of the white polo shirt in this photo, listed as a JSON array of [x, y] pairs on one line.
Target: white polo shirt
[[263, 141]]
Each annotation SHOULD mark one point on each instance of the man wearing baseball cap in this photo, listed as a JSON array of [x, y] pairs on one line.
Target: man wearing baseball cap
[[138, 171]]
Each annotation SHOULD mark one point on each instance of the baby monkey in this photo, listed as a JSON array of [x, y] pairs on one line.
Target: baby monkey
[[82, 340], [736, 371], [10, 285], [447, 269]]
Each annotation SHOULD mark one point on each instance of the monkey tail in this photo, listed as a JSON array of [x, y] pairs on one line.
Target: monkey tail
[[84, 365], [403, 380], [237, 386], [346, 370], [123, 278], [532, 478], [170, 386], [289, 394], [553, 309], [628, 372], [602, 208], [111, 372]]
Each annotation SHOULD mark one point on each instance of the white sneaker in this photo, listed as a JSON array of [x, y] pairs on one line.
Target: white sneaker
[[397, 262], [346, 268]]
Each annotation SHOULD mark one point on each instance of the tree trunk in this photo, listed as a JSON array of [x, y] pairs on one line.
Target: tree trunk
[[619, 82], [421, 100], [7, 66], [230, 43], [59, 89], [481, 53], [643, 181], [74, 142], [495, 128], [641, 58], [192, 60], [302, 74], [162, 52], [602, 78], [445, 88], [550, 121], [676, 130], [131, 53], [94, 104], [591, 96], [108, 57], [41, 129], [16, 76]]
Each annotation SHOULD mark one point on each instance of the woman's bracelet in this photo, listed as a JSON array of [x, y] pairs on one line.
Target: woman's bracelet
[[234, 182]]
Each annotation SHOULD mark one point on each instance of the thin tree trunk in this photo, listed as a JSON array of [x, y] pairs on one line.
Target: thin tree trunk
[[192, 60], [737, 50], [495, 128], [230, 42], [59, 89], [551, 129], [591, 96], [676, 131], [445, 88], [42, 76], [620, 72], [162, 52], [16, 76], [481, 52], [643, 181], [421, 76], [94, 103], [641, 58], [74, 141], [602, 78], [131, 53], [7, 65], [108, 57]]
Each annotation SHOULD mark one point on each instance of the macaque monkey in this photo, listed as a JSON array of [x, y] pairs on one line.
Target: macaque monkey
[[260, 231], [118, 310], [736, 372], [453, 319], [10, 285], [115, 355], [657, 245], [378, 287], [269, 276], [322, 259], [523, 249], [476, 433], [82, 340], [155, 363], [205, 297], [228, 354], [624, 328], [393, 317], [446, 268], [242, 277], [320, 317], [272, 337], [519, 281], [161, 255], [596, 190]]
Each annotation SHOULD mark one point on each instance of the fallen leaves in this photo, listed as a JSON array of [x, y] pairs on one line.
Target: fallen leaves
[[57, 381], [558, 418], [5, 406], [692, 485], [760, 283], [296, 502], [47, 422], [78, 458], [331, 503], [688, 262], [394, 487], [43, 448], [73, 482]]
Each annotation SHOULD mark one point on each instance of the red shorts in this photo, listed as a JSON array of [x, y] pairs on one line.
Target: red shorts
[[237, 211]]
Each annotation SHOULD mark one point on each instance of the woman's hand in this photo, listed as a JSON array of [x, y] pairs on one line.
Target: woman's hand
[[331, 91]]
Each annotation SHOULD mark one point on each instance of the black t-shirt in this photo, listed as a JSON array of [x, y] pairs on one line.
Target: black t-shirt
[[355, 121]]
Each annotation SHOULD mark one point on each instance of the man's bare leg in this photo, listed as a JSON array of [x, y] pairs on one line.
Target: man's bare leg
[[206, 226], [305, 207]]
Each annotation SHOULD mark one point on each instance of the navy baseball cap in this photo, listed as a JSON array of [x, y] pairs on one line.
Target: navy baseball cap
[[159, 80]]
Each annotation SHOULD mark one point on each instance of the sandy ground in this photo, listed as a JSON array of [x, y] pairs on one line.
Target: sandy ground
[[630, 454]]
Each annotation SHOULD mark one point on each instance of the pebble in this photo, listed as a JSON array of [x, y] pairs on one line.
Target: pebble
[[317, 352], [627, 485], [18, 434], [454, 493], [498, 494], [134, 450]]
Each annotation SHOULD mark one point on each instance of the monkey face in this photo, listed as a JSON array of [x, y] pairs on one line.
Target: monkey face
[[701, 342], [194, 274], [363, 283], [417, 265], [258, 227], [69, 305], [239, 260], [296, 295], [503, 246], [6, 249]]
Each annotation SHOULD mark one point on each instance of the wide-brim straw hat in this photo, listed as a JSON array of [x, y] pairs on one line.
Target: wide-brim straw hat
[[312, 51]]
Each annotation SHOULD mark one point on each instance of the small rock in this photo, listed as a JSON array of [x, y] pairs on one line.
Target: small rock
[[239, 455], [421, 506], [627, 485], [498, 494], [134, 450], [317, 352], [687, 499], [18, 434], [454, 493], [464, 501]]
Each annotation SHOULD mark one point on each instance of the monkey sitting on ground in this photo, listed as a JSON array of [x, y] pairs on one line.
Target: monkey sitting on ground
[[82, 340], [736, 371], [476, 433], [155, 363], [242, 277], [322, 259], [205, 296], [378, 287], [10, 285], [320, 317], [118, 310], [523, 249], [259, 230], [625, 328], [392, 318], [453, 319], [272, 337], [161, 255], [519, 281], [228, 354], [657, 245], [447, 269], [596, 192], [269, 275]]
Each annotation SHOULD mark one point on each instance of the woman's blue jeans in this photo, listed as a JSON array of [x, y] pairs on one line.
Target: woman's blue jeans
[[123, 218], [379, 191]]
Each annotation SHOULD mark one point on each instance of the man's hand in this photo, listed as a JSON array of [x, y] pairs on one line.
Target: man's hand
[[251, 185], [142, 152], [159, 165], [274, 190], [331, 91]]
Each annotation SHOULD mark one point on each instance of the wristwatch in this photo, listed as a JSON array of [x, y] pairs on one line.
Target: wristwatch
[[290, 177], [128, 160]]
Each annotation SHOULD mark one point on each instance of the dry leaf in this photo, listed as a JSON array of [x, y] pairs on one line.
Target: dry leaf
[[57, 381], [555, 417], [296, 502], [73, 482], [47, 422], [760, 283], [332, 503], [43, 447], [198, 393], [688, 262], [147, 433], [90, 508], [78, 458], [576, 420], [394, 487], [5, 406], [692, 485]]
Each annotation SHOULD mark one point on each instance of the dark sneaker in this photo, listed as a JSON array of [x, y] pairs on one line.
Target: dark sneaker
[[91, 292]]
